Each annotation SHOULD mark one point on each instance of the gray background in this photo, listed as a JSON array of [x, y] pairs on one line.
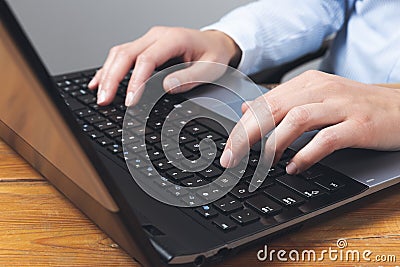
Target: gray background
[[73, 35]]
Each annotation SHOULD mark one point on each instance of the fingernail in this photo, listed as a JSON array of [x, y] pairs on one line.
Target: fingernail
[[291, 168], [130, 97], [226, 158], [172, 84], [101, 96], [92, 82]]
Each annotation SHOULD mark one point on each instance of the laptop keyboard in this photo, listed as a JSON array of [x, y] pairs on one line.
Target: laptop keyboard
[[279, 198]]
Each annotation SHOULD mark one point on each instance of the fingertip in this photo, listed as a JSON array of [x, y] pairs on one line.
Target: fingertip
[[93, 83], [171, 84], [101, 97], [226, 159], [130, 99], [292, 168]]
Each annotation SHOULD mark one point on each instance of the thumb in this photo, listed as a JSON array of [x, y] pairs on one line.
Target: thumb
[[197, 73]]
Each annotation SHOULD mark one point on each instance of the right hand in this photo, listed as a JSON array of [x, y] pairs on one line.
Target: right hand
[[153, 49]]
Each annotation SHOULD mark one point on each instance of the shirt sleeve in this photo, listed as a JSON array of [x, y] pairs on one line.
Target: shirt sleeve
[[271, 32]]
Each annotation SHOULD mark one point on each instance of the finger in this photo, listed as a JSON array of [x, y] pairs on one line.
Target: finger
[[324, 143], [120, 61], [245, 106], [151, 58], [269, 109], [201, 71], [254, 124], [302, 119], [94, 83], [112, 77]]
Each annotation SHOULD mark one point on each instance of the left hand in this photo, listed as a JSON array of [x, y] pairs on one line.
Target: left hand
[[349, 114]]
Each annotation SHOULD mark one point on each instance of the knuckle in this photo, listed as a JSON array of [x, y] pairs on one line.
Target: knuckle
[[240, 137], [298, 116], [144, 58], [311, 74], [274, 104], [328, 140], [180, 35], [156, 29], [115, 49]]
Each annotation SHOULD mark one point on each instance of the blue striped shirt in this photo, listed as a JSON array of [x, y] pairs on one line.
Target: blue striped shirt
[[366, 46]]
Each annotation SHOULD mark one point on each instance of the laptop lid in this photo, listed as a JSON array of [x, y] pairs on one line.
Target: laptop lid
[[31, 110]]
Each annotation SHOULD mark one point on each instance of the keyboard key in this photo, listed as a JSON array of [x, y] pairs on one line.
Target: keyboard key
[[116, 118], [224, 224], [94, 119], [194, 181], [275, 171], [215, 126], [166, 145], [211, 172], [115, 149], [283, 195], [301, 186], [191, 200], [85, 112], [114, 132], [95, 134], [227, 180], [156, 155], [170, 131], [196, 129], [207, 211], [260, 182], [87, 128], [210, 135], [245, 216], [177, 175], [264, 205], [241, 191], [329, 182], [196, 164], [104, 125], [313, 172], [228, 205], [288, 154], [153, 138], [221, 144], [155, 124], [193, 146], [178, 191], [209, 193], [163, 164], [253, 160], [74, 104], [186, 138], [87, 99], [104, 141]]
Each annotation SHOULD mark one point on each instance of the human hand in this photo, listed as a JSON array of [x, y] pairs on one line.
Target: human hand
[[155, 48], [349, 114]]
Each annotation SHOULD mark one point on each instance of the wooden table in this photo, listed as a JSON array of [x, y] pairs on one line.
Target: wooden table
[[39, 227]]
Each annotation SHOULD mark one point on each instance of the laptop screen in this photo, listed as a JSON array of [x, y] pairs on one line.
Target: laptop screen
[[76, 35]]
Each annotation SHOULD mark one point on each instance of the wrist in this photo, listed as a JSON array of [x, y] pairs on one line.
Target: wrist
[[233, 51]]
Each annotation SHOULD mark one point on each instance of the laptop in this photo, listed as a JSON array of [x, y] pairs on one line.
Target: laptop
[[55, 124]]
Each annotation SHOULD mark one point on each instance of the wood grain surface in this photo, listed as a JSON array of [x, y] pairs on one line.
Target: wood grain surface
[[39, 227]]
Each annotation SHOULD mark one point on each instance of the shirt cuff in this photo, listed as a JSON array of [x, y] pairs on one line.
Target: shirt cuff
[[246, 44]]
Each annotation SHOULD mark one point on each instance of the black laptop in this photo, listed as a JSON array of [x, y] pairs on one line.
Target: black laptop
[[56, 125]]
